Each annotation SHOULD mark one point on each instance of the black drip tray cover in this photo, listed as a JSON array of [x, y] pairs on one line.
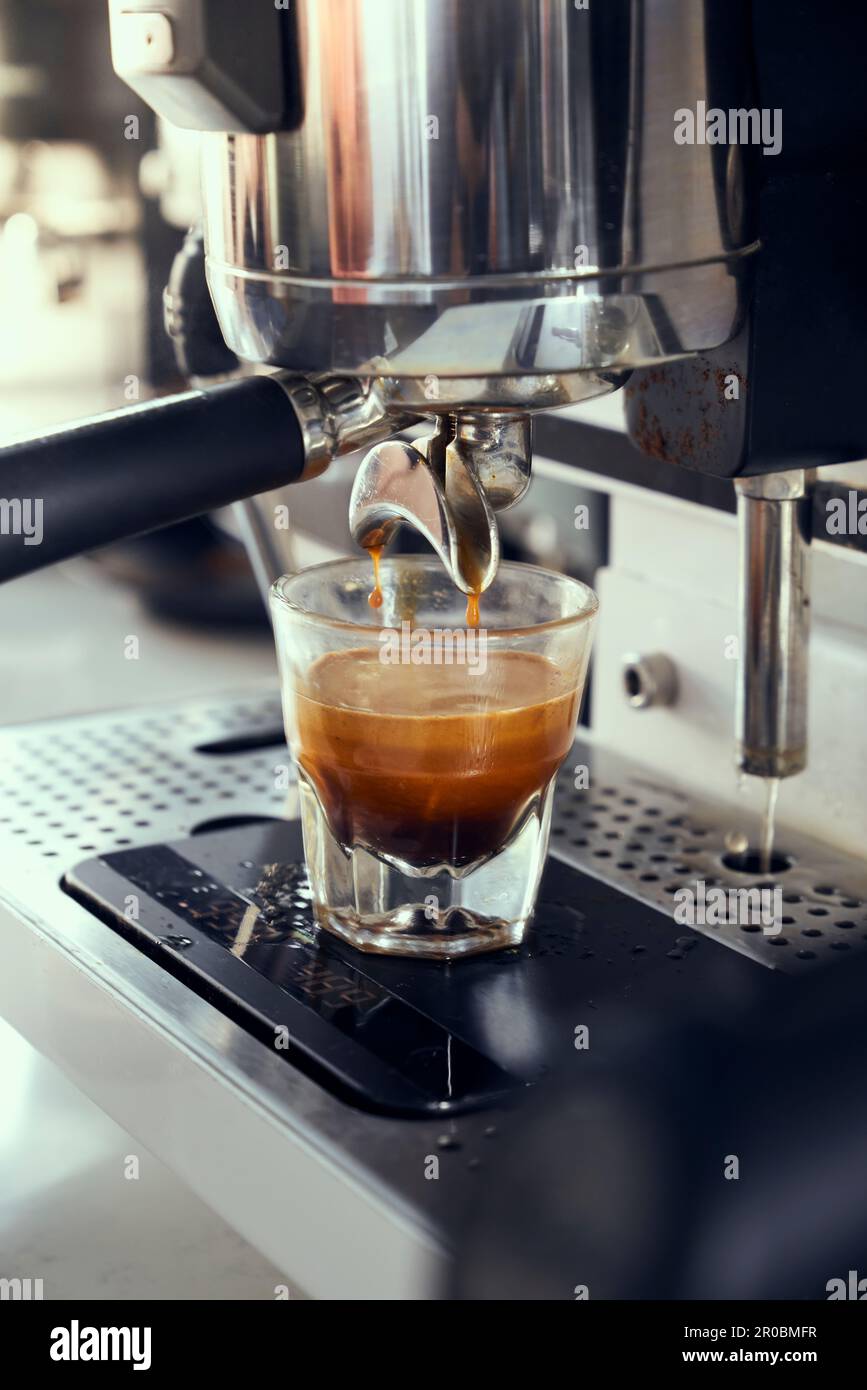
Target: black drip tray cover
[[228, 912]]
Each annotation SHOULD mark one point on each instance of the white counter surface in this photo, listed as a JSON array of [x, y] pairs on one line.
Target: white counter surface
[[68, 1213]]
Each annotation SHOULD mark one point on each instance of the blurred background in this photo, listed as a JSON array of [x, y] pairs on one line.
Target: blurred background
[[95, 199]]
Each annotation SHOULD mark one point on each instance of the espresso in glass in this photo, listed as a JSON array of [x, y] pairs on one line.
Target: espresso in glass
[[434, 768], [426, 771]]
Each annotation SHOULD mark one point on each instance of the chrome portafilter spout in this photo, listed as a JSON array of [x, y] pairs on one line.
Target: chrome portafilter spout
[[448, 487]]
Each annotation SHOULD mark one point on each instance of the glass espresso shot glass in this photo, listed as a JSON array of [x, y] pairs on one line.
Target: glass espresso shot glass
[[426, 751]]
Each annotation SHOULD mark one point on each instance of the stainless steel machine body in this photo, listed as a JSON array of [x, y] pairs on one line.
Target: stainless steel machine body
[[484, 203], [470, 210], [482, 207]]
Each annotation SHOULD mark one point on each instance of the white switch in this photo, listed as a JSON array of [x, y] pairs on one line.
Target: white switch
[[141, 42]]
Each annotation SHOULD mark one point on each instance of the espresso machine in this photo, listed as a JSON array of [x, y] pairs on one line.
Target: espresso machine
[[493, 251]]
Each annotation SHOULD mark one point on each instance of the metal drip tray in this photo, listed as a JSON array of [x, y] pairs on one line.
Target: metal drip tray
[[197, 1082], [651, 841]]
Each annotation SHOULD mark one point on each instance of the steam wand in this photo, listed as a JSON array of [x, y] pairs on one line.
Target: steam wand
[[771, 710]]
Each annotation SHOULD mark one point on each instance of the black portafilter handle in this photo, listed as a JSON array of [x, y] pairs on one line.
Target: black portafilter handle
[[135, 470]]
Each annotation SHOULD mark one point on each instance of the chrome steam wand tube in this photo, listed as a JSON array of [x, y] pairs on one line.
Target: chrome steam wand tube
[[771, 711]]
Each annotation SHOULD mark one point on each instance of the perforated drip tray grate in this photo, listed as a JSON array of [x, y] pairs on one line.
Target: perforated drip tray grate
[[73, 788], [651, 841]]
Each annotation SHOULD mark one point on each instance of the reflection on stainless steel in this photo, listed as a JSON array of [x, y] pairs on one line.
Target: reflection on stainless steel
[[775, 624], [270, 549], [498, 448], [433, 394], [448, 487], [397, 482], [481, 193], [337, 415]]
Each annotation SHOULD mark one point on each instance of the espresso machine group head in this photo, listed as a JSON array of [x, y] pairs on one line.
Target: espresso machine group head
[[473, 211], [464, 211], [477, 209]]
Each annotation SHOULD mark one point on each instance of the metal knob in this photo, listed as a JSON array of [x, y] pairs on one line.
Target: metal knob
[[649, 680]]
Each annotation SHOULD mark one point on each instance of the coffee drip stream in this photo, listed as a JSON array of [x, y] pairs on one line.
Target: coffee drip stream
[[375, 599], [448, 487]]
